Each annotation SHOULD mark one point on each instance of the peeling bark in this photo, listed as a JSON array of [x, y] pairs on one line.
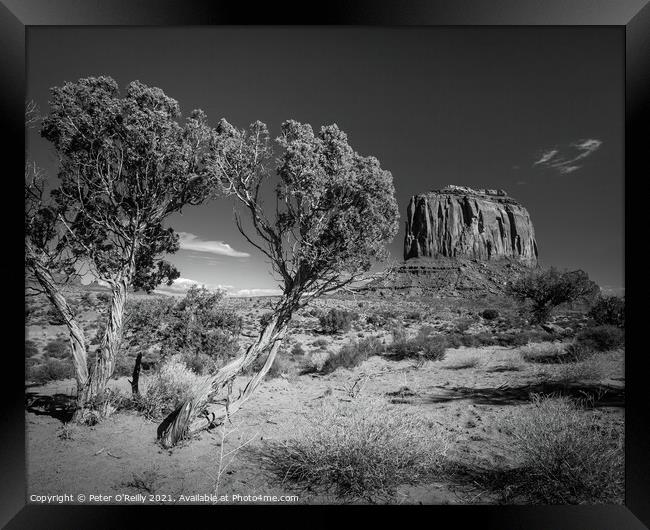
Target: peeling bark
[[77, 338], [111, 340], [186, 419]]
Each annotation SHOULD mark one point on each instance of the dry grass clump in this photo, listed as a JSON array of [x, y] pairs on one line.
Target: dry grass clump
[[168, 387], [352, 354], [358, 449], [543, 352], [568, 454], [596, 368], [465, 362]]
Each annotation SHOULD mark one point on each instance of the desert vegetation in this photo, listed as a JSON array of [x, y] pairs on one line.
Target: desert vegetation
[[333, 389]]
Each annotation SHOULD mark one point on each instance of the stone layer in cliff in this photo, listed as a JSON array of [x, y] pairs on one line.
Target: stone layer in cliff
[[459, 222]]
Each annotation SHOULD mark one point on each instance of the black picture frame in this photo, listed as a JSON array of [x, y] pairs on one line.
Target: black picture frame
[[632, 16]]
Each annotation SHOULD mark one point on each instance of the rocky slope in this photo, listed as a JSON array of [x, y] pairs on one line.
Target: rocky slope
[[459, 222]]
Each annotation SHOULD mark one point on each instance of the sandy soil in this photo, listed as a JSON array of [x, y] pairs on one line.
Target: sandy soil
[[469, 394]]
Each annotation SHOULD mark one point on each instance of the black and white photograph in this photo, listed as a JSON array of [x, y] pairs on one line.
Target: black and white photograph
[[325, 265]]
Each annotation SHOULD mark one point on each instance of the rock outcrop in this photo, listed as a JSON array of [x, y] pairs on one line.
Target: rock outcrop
[[460, 222]]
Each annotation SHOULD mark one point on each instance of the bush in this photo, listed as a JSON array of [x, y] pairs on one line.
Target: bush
[[336, 320], [194, 325], [297, 350], [58, 348], [30, 348], [413, 315], [50, 370], [567, 455], [171, 385], [358, 449], [426, 345], [463, 324], [609, 310], [54, 318], [490, 314], [376, 320], [547, 289], [352, 354], [320, 343], [279, 367], [601, 338], [265, 318], [543, 353]]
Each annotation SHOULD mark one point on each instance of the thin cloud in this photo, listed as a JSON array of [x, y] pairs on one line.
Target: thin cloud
[[182, 285], [190, 241], [256, 292], [566, 163]]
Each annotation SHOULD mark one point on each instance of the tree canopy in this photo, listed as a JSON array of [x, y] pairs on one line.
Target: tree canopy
[[126, 162], [335, 210]]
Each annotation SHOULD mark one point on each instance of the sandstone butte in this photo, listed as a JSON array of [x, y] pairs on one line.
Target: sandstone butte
[[460, 222]]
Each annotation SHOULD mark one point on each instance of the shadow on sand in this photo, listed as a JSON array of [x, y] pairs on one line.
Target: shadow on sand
[[599, 395], [58, 406]]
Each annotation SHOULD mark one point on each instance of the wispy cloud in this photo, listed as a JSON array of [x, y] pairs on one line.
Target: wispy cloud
[[190, 241], [256, 292], [182, 285], [565, 163]]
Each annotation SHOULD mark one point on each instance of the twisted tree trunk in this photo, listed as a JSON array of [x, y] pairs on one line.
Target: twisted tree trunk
[[77, 338], [111, 340], [187, 420]]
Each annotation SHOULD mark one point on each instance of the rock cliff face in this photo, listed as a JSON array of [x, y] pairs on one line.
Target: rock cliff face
[[459, 222]]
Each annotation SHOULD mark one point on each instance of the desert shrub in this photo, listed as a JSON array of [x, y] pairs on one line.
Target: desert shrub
[[589, 369], [550, 352], [463, 324], [426, 345], [352, 354], [54, 317], [465, 362], [280, 366], [601, 338], [376, 319], [103, 298], [196, 325], [58, 348], [123, 366], [50, 370], [547, 289], [171, 384], [265, 318], [297, 350], [609, 310], [490, 314], [320, 343], [398, 334], [413, 315], [359, 449], [30, 348], [567, 454], [336, 320], [199, 363]]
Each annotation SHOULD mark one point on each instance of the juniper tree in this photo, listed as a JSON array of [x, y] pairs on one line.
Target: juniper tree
[[332, 215], [546, 289], [125, 164]]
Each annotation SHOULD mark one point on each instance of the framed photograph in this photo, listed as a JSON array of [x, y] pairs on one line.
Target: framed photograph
[[380, 254]]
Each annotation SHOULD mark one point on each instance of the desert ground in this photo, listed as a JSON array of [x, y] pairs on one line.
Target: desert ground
[[469, 398]]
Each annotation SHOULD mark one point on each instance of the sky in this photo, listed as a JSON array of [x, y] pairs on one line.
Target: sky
[[538, 112]]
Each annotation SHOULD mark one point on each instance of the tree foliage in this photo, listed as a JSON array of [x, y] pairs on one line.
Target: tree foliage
[[335, 209], [194, 325], [609, 310], [547, 289], [334, 212], [125, 164]]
